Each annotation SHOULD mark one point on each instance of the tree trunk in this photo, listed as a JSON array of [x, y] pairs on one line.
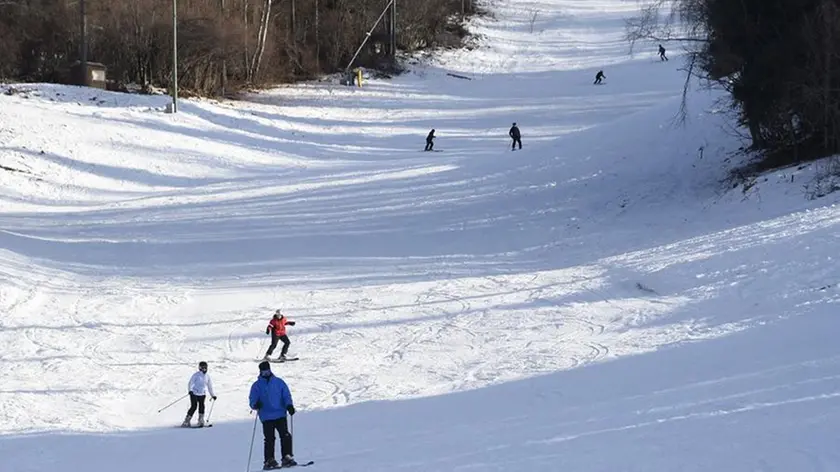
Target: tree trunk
[[827, 47], [246, 57], [755, 134], [294, 24], [261, 39], [223, 74]]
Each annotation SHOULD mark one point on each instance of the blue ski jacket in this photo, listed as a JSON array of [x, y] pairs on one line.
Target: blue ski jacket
[[273, 396]]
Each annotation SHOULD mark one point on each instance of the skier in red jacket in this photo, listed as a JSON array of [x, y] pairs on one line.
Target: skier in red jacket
[[277, 328]]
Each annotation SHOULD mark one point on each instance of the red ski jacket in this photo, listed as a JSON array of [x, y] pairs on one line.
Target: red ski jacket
[[279, 325]]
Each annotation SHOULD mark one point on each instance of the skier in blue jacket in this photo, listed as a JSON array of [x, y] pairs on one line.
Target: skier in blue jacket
[[271, 397]]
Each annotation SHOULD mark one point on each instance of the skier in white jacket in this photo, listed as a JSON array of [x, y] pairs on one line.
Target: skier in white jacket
[[199, 386]]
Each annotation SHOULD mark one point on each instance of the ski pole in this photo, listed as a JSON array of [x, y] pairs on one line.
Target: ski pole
[[251, 450], [176, 401], [261, 354], [211, 410]]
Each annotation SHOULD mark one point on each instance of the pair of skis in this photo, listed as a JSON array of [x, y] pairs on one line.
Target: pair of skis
[[278, 360], [279, 466]]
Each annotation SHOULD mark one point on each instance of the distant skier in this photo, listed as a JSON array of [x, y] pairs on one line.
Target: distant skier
[[430, 143], [277, 328], [600, 75], [271, 397], [199, 385], [515, 136], [662, 56]]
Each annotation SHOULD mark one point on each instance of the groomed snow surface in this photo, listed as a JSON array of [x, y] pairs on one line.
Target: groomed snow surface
[[597, 301]]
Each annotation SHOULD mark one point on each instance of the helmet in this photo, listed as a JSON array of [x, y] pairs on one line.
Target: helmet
[[202, 365]]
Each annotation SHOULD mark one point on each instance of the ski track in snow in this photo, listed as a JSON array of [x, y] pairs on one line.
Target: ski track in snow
[[606, 251]]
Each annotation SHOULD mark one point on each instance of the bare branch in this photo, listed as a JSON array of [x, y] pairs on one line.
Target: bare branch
[[682, 114], [651, 24]]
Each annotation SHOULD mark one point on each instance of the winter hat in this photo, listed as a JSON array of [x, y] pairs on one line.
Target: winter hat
[[265, 368], [202, 364]]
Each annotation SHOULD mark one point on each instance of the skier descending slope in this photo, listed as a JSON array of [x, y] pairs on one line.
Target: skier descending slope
[[599, 76], [199, 385], [516, 136], [430, 141], [277, 328], [271, 397]]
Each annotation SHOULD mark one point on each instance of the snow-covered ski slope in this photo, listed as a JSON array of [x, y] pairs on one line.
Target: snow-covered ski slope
[[594, 302]]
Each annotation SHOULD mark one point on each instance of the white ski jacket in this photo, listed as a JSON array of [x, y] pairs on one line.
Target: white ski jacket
[[200, 384]]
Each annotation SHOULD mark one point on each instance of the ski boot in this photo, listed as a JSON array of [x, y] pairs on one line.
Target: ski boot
[[282, 358], [270, 464], [200, 420], [186, 423], [288, 461]]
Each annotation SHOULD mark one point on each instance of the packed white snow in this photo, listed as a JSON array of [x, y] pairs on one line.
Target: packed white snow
[[597, 301]]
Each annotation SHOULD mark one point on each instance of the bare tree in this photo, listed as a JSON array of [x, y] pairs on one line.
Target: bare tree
[[261, 38], [668, 21], [226, 43], [681, 21]]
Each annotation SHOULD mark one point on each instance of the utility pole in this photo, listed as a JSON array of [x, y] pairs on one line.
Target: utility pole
[[174, 56]]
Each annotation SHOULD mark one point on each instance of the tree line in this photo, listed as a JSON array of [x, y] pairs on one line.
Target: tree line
[[222, 44], [777, 59]]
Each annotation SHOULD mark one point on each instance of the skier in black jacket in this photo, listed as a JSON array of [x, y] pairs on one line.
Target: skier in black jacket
[[600, 75], [430, 140], [515, 136]]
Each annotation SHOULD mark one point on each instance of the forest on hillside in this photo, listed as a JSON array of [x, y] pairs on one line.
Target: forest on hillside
[[779, 61], [222, 44]]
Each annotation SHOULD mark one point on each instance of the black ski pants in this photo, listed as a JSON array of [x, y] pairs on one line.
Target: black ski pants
[[196, 401], [516, 139], [269, 427], [274, 339], [429, 145]]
